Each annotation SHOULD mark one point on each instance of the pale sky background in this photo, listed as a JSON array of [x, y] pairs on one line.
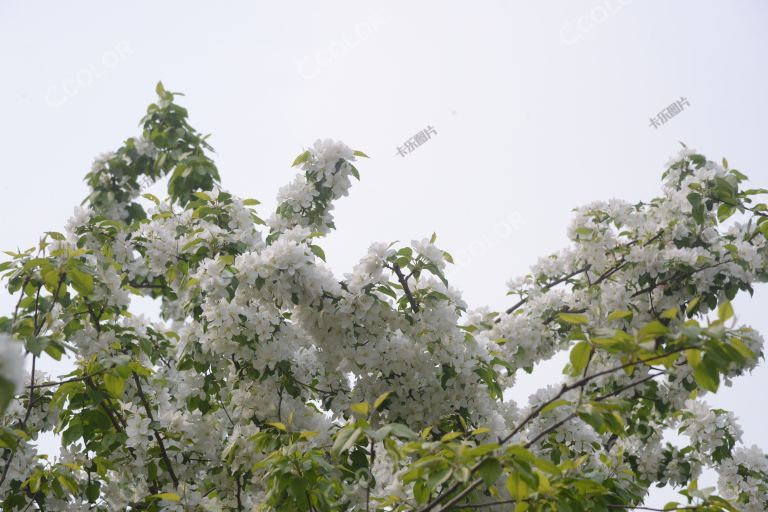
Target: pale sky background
[[538, 106]]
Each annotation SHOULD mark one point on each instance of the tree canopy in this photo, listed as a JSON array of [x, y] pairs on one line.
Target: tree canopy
[[269, 383]]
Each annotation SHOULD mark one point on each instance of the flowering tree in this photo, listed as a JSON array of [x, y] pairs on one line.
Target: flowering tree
[[271, 384]]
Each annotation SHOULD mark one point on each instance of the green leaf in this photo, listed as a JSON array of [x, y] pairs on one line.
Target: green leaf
[[278, 425], [742, 349], [51, 279], [706, 377], [7, 392], [81, 282], [554, 405], [698, 208], [92, 491], [698, 160], [55, 235], [546, 465], [438, 478], [450, 436], [152, 198], [693, 356], [594, 420], [380, 401], [114, 384], [345, 439], [692, 304], [619, 314], [651, 331], [317, 251], [580, 356], [69, 483], [36, 345], [8, 438], [398, 430], [167, 496], [301, 158], [725, 311], [573, 318], [670, 313], [297, 488], [420, 492], [360, 153], [387, 291], [517, 487], [724, 211], [192, 243], [490, 471]]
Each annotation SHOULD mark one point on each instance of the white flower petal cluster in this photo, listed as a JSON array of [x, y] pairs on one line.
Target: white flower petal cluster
[[707, 428], [307, 200], [743, 479]]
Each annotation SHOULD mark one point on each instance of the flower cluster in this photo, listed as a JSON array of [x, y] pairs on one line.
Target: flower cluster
[[743, 479]]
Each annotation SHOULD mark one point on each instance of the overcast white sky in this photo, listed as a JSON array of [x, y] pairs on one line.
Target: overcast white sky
[[538, 107]]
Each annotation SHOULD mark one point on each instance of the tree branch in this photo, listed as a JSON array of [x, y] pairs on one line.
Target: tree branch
[[605, 275], [678, 276], [548, 286], [158, 437], [404, 283], [533, 414]]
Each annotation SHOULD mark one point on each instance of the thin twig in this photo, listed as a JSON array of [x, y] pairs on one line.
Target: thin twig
[[548, 286], [678, 276], [488, 504], [404, 283], [239, 500], [621, 263], [637, 507], [62, 382], [158, 437]]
